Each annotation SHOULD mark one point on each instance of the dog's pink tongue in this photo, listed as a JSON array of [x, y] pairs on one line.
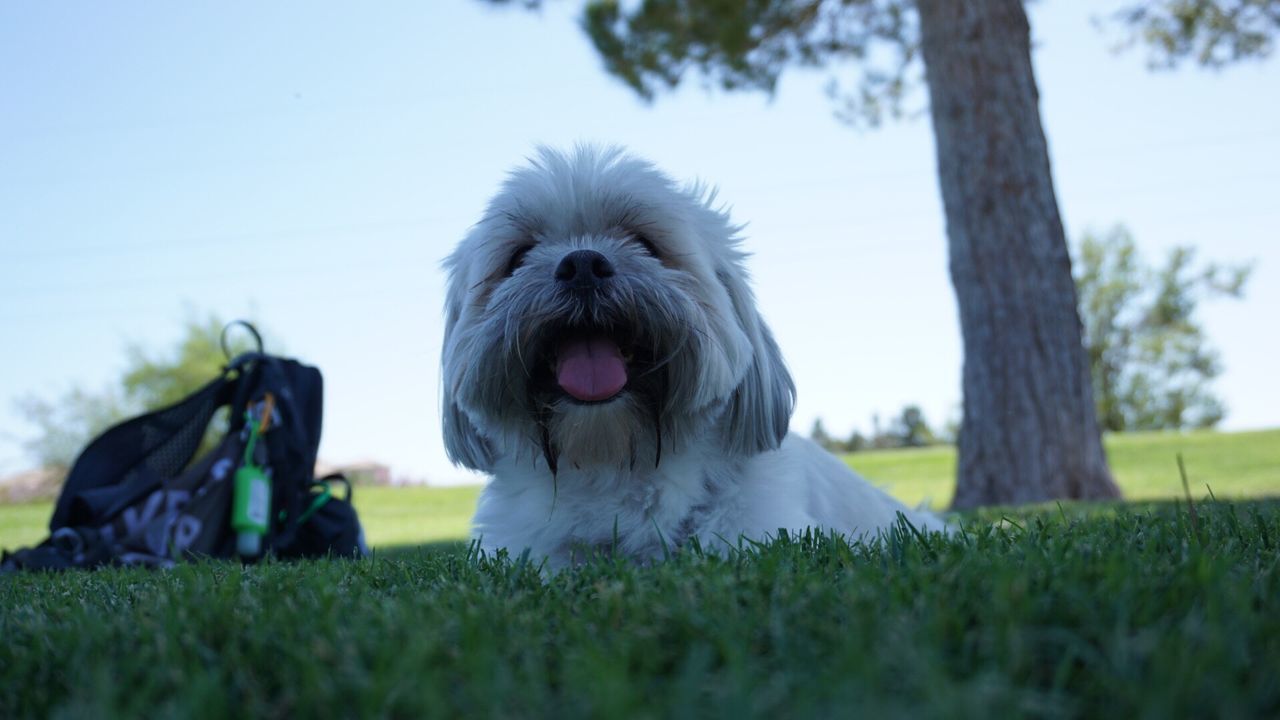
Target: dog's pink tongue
[[591, 370]]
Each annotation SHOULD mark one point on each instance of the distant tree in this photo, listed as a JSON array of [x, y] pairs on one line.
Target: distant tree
[[819, 435], [152, 381], [911, 429], [66, 424], [908, 429], [950, 431], [857, 442], [1149, 357]]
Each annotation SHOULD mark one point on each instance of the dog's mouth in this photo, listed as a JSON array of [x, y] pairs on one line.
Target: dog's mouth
[[590, 368], [596, 365], [593, 364]]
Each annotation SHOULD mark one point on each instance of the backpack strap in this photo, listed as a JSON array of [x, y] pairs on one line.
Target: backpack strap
[[66, 548], [137, 454], [327, 526]]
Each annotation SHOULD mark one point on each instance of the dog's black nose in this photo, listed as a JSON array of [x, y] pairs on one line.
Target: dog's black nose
[[584, 270]]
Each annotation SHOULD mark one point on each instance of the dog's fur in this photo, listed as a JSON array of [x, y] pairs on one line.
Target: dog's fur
[[695, 444]]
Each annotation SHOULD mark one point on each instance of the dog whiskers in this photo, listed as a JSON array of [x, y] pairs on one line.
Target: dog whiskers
[[657, 433], [519, 349], [662, 362], [548, 453]]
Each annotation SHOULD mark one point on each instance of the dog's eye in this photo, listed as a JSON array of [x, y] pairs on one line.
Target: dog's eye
[[646, 243], [517, 258]]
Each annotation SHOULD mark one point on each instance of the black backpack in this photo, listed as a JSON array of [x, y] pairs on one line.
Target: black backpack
[[134, 496]]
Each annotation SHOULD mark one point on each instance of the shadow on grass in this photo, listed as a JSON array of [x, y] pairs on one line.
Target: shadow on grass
[[1071, 511], [413, 552], [1082, 510]]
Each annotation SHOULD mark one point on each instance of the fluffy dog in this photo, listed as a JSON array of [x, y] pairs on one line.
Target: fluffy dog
[[605, 362]]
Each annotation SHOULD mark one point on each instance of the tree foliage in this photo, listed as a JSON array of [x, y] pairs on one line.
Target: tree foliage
[[746, 44], [64, 425], [912, 428], [1212, 33], [156, 380], [908, 429], [1150, 360], [818, 433]]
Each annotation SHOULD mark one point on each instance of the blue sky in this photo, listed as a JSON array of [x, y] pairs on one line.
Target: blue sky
[[310, 164]]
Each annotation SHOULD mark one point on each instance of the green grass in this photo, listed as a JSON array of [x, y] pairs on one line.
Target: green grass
[[390, 516], [415, 515], [25, 524], [1233, 465], [1136, 612], [1132, 609], [922, 476]]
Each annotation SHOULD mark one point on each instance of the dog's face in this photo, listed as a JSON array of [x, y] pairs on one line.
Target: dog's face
[[599, 315]]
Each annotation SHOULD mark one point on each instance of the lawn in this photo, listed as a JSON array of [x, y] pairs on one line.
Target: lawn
[[1141, 611], [1124, 610], [1234, 465], [390, 516]]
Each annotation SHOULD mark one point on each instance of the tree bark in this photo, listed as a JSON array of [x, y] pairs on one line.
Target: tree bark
[[1030, 431]]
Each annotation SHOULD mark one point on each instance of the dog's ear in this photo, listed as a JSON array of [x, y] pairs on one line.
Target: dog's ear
[[462, 442], [759, 411]]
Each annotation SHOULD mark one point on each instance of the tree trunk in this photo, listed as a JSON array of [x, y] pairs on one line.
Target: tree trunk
[[1030, 431]]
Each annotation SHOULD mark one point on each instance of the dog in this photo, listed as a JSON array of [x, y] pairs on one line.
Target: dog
[[605, 364]]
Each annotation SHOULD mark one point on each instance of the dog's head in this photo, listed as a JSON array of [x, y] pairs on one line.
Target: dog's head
[[598, 313]]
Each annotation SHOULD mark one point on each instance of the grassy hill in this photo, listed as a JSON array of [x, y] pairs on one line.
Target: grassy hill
[[1234, 465]]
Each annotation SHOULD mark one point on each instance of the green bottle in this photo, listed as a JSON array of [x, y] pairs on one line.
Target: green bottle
[[251, 499], [250, 509]]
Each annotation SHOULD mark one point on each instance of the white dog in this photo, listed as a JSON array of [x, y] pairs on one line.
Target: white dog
[[604, 361]]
